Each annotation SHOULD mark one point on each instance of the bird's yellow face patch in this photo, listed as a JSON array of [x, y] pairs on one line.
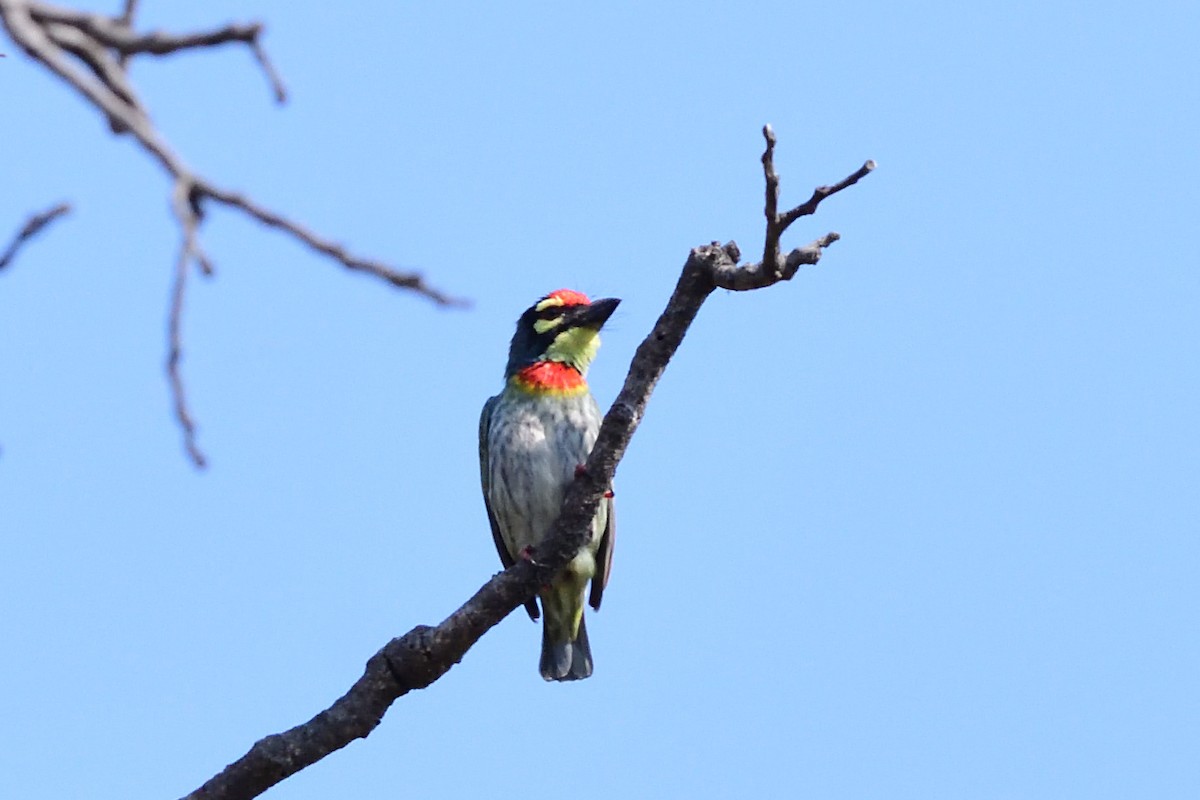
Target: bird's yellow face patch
[[575, 346], [543, 325]]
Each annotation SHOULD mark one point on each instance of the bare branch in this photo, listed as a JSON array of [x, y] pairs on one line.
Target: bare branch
[[34, 225], [53, 35], [106, 69], [117, 34], [126, 19], [31, 228], [821, 192], [404, 280], [187, 251], [185, 205], [421, 656], [744, 277], [773, 266], [129, 12], [260, 55]]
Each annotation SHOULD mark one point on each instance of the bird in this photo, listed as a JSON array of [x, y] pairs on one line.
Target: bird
[[533, 438]]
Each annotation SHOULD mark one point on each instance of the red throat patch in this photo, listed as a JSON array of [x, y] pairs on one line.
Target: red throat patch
[[551, 377]]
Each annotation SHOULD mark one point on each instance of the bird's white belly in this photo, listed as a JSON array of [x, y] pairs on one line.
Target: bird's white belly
[[542, 451]]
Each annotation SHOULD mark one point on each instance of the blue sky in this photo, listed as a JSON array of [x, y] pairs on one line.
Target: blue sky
[[920, 524]]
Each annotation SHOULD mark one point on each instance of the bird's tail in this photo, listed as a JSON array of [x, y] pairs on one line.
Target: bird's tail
[[564, 658]]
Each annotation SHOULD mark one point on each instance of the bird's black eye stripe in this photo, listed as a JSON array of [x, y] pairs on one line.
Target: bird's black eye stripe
[[550, 313]]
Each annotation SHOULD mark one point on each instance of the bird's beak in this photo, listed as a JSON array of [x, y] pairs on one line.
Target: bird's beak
[[595, 315]]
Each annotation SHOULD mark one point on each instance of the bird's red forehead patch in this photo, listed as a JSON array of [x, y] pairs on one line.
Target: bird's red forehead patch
[[569, 297]]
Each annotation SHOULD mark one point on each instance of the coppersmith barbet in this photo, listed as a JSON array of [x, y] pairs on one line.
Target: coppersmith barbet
[[533, 436]]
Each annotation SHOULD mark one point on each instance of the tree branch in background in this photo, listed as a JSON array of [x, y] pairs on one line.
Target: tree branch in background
[[424, 654], [31, 228], [101, 47]]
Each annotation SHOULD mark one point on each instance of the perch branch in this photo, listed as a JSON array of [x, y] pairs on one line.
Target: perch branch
[[32, 227], [421, 656], [90, 53]]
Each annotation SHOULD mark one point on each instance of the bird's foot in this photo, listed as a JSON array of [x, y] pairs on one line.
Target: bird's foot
[[526, 554]]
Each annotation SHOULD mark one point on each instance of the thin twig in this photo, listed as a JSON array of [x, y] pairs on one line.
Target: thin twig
[[31, 228], [102, 45], [260, 55], [185, 207], [421, 656], [126, 20], [773, 265], [129, 12], [404, 280], [175, 353], [809, 206]]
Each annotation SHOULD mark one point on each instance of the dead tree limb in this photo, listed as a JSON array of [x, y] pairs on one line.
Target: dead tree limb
[[424, 654], [90, 53]]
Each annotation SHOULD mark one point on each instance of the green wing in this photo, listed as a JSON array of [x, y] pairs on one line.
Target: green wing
[[506, 558]]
